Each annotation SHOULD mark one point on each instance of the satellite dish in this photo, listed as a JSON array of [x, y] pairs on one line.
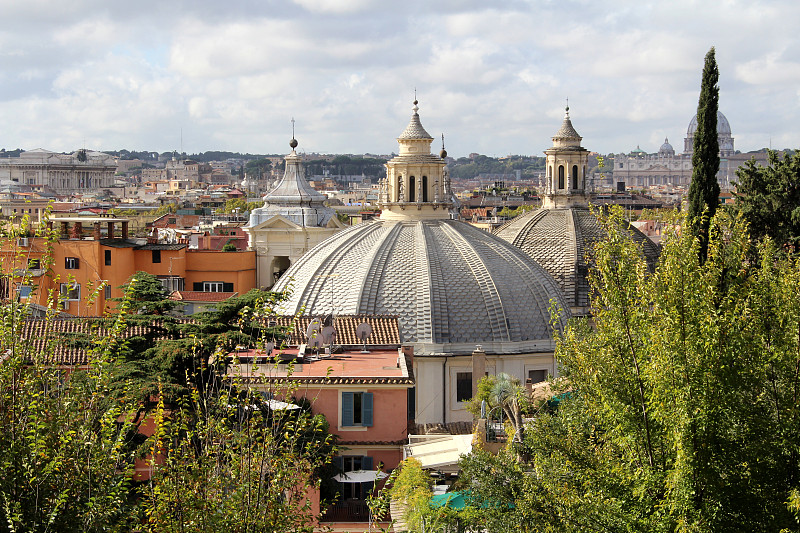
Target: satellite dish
[[363, 331], [315, 341], [313, 329], [328, 334]]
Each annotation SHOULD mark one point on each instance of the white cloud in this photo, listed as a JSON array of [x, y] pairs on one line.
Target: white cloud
[[494, 79]]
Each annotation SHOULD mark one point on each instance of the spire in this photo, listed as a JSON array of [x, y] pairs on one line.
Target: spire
[[443, 153], [414, 130], [567, 131]]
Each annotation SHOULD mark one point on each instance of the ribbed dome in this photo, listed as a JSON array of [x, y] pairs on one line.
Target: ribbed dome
[[451, 285], [559, 240], [723, 127]]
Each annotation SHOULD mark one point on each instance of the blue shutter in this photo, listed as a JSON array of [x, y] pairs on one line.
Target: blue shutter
[[347, 409], [366, 409], [366, 462], [338, 462]]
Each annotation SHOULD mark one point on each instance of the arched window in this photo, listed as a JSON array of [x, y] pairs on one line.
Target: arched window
[[583, 177], [560, 176], [574, 176], [399, 190], [424, 188], [412, 189]]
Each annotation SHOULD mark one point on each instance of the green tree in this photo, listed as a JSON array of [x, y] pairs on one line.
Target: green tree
[[704, 189], [769, 199], [683, 411]]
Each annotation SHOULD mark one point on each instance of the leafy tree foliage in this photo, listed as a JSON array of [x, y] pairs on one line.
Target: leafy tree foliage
[[220, 458], [769, 199], [704, 189], [165, 354], [683, 412]]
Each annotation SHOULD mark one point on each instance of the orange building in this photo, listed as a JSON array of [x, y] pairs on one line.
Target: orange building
[[93, 256]]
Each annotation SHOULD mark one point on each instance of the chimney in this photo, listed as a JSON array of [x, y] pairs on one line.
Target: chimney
[[478, 367], [124, 230], [97, 231]]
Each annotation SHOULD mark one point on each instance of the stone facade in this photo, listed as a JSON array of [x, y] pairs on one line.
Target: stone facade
[[63, 173], [667, 168]]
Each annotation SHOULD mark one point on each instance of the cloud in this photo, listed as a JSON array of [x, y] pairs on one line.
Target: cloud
[[494, 78]]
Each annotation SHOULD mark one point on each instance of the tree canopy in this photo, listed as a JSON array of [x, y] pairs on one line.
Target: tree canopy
[[768, 198], [682, 412]]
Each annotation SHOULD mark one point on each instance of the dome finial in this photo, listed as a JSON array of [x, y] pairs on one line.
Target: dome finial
[[443, 153], [293, 142], [567, 110]]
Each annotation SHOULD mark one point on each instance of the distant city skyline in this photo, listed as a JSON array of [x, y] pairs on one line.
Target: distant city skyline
[[199, 76]]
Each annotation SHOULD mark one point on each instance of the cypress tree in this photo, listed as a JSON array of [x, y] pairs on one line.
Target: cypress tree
[[704, 189]]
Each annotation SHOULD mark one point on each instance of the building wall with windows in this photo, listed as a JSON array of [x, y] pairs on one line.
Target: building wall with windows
[[87, 268], [63, 173]]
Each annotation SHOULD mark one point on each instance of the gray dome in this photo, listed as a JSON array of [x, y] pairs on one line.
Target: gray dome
[[666, 148], [723, 127], [451, 285], [560, 240]]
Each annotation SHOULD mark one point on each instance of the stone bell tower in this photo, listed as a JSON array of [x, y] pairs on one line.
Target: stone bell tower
[[416, 185], [565, 181]]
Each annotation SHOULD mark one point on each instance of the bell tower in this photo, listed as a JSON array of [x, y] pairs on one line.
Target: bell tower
[[565, 178], [416, 185]]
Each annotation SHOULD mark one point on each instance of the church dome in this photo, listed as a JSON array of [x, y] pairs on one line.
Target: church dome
[[451, 285], [723, 126], [562, 240], [293, 198], [666, 148], [724, 138]]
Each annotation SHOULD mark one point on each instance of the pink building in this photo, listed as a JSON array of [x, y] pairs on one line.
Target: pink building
[[364, 395]]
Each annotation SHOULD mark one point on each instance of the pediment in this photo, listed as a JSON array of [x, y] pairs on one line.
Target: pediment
[[276, 222]]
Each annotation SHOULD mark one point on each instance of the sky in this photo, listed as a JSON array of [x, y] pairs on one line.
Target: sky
[[493, 77]]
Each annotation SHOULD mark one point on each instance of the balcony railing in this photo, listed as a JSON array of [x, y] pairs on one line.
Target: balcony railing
[[347, 511]]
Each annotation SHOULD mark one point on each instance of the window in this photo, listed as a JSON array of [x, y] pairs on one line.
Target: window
[[71, 291], [107, 291], [463, 386], [213, 286], [107, 256], [412, 188], [72, 263], [574, 176], [156, 256], [424, 188], [172, 221], [172, 283], [561, 176], [537, 376], [34, 264], [24, 291], [357, 409]]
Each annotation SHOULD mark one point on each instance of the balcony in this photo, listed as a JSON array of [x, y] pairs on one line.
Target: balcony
[[347, 511]]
